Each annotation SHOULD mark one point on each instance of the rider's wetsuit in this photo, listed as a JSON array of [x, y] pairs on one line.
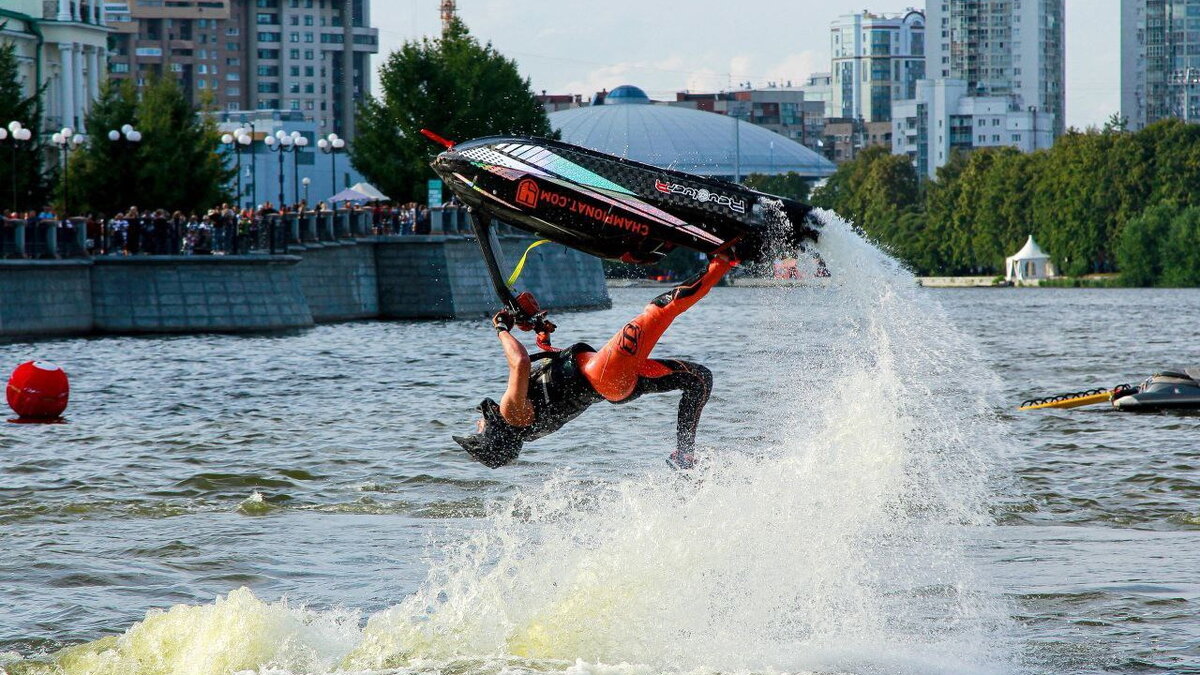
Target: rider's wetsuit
[[563, 384]]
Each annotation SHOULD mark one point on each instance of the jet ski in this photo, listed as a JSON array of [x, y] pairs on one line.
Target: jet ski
[[609, 207], [1167, 390], [616, 208]]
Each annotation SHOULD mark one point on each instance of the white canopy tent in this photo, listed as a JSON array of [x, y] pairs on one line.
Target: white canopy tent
[[1029, 264], [372, 192]]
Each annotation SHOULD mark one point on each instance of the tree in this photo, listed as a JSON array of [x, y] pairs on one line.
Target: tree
[[791, 185], [176, 166], [20, 163], [450, 85], [1138, 248]]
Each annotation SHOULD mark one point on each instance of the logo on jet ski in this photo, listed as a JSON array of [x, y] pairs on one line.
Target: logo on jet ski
[[527, 193], [701, 195]]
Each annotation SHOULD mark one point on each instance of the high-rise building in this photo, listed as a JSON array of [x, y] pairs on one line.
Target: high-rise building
[[1006, 48], [62, 49], [944, 117], [1160, 61], [877, 58], [230, 55]]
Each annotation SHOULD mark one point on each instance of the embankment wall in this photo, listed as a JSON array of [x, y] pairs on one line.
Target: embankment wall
[[391, 277]]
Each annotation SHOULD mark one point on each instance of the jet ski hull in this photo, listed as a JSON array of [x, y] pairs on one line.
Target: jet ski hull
[[612, 207], [1168, 390]]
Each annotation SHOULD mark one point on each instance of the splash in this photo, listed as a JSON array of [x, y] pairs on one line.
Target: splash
[[840, 544], [840, 548]]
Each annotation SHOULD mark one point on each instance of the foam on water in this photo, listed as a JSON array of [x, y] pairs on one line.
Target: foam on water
[[841, 548]]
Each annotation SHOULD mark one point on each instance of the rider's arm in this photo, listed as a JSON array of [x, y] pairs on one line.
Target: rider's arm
[[515, 407]]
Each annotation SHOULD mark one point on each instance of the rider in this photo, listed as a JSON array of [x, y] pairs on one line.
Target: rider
[[554, 387]]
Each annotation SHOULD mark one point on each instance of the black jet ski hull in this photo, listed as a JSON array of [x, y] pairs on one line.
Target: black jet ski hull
[[1167, 390], [612, 207], [1188, 398]]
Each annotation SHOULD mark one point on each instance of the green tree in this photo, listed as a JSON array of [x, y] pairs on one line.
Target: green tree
[[20, 163], [1181, 250], [791, 185], [176, 166], [1138, 248], [451, 85]]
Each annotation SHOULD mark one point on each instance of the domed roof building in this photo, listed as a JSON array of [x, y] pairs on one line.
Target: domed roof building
[[628, 125]]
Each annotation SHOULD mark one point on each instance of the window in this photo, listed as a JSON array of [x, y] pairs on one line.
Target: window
[[201, 84], [295, 105], [268, 37], [233, 61], [295, 54], [308, 20], [202, 68], [308, 37], [268, 87], [308, 88], [232, 105], [118, 67], [268, 53], [308, 71], [233, 91], [294, 37], [231, 32], [295, 71], [232, 77], [996, 138], [266, 19], [268, 71], [233, 46], [295, 20], [308, 55], [294, 88]]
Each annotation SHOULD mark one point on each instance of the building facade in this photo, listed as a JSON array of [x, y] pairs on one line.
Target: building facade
[[1160, 61], [233, 55], [784, 110], [62, 48], [1002, 48], [877, 58], [819, 87], [944, 117]]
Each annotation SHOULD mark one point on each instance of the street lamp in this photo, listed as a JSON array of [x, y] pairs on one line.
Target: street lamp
[[306, 181], [281, 142], [330, 145], [18, 134], [67, 140], [239, 138], [299, 141]]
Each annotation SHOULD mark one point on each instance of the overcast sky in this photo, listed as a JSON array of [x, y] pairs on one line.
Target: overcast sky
[[582, 46]]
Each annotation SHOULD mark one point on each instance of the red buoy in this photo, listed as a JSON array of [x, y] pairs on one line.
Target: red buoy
[[38, 390]]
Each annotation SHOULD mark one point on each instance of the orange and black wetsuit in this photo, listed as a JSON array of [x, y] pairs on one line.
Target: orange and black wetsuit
[[565, 383]]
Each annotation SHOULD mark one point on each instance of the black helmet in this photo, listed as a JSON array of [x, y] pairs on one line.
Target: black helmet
[[498, 444]]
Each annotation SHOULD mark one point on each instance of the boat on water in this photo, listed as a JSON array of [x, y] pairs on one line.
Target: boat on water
[[1167, 390]]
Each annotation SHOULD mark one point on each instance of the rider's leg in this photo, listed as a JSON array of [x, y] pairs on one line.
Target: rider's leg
[[694, 380], [613, 370]]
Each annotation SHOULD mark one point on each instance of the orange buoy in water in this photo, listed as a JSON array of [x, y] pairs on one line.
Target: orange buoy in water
[[38, 390]]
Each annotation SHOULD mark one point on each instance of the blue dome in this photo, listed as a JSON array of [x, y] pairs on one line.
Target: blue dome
[[626, 93], [681, 138]]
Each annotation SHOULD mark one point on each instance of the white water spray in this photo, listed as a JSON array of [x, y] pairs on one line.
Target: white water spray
[[840, 548]]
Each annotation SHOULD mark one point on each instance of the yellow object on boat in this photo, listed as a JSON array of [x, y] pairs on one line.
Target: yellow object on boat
[[1069, 400]]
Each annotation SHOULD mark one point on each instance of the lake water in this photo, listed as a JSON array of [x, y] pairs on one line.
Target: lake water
[[870, 500]]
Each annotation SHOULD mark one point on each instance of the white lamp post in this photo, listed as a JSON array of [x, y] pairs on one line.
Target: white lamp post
[[330, 145], [67, 140]]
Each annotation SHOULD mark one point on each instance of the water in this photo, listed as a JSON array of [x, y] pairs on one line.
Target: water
[[871, 502]]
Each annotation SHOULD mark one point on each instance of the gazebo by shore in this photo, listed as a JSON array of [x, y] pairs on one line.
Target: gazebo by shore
[[1030, 264]]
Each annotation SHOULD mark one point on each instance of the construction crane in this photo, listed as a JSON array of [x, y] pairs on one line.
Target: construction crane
[[449, 9]]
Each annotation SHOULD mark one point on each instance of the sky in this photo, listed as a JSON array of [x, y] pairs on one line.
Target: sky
[[583, 46]]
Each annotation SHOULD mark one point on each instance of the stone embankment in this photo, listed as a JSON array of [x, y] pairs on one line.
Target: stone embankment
[[318, 279]]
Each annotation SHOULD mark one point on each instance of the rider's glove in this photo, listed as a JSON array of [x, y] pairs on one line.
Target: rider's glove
[[503, 321]]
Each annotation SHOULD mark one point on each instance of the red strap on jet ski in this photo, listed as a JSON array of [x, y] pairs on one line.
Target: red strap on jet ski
[[437, 139]]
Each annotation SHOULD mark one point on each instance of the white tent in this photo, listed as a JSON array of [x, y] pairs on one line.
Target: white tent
[[372, 192], [350, 195], [1029, 264]]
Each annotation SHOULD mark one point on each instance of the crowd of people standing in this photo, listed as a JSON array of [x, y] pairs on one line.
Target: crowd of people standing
[[224, 229]]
